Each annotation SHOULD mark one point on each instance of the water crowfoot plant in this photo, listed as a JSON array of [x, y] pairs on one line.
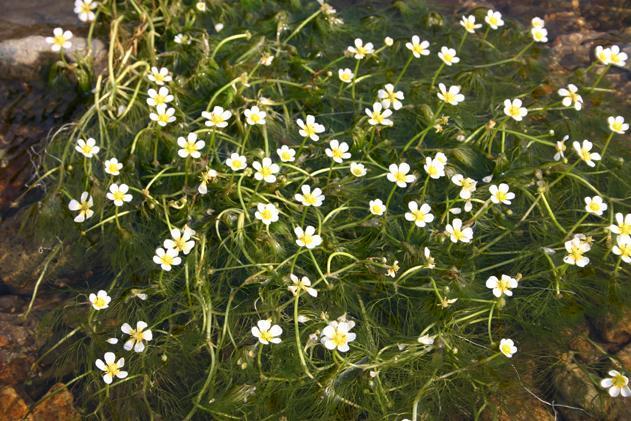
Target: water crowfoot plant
[[317, 224]]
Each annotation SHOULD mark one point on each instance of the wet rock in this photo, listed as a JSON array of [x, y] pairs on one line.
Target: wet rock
[[12, 406], [578, 394], [56, 405], [614, 329], [624, 356], [18, 348], [25, 58]]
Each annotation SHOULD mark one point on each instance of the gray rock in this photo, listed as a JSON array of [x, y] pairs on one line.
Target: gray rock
[[25, 58]]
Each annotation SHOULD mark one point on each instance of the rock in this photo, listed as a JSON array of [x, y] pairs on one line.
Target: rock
[[12, 406], [18, 348], [624, 356], [574, 388], [614, 329], [56, 405], [25, 58]]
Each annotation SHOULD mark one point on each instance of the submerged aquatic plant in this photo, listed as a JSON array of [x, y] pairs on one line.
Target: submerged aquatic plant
[[274, 163]]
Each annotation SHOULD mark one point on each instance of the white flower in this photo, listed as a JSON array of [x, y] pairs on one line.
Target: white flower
[[286, 154], [426, 340], [391, 270], [111, 367], [345, 75], [537, 22], [159, 76], [83, 206], [623, 248], [309, 197], [112, 166], [493, 19], [560, 148], [451, 96], [87, 147], [265, 170], [458, 233], [419, 48], [514, 109], [206, 177], [583, 151], [236, 162], [190, 146], [118, 194], [420, 216], [617, 384], [399, 174], [60, 40], [301, 284], [267, 333], [507, 347], [434, 168], [219, 27], [310, 128], [137, 337], [617, 57], [254, 116], [431, 264], [337, 335], [337, 151], [617, 124], [388, 41], [502, 286], [112, 341], [166, 258], [595, 205], [378, 116], [468, 185], [360, 50], [266, 213], [539, 34], [84, 10], [218, 117], [180, 240], [358, 169], [575, 248], [100, 300], [571, 97], [159, 97], [307, 237], [623, 226], [376, 207], [501, 194], [201, 6], [468, 23], [163, 115], [266, 59], [390, 98], [448, 56], [603, 54], [182, 39]]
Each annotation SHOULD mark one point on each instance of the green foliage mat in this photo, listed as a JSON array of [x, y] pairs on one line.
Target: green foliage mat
[[203, 361]]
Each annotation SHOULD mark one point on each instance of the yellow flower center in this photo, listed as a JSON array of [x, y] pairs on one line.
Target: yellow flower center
[[137, 335], [448, 57], [503, 285], [615, 59], [376, 209], [506, 349], [99, 302], [514, 111], [180, 244], [400, 177], [59, 40], [112, 369], [160, 99], [306, 239], [362, 51], [594, 206], [85, 207], [190, 148], [576, 253], [266, 335], [266, 214], [87, 149], [432, 170], [467, 183], [158, 77], [449, 97], [419, 215], [469, 26], [337, 153], [625, 250], [616, 126], [376, 115], [458, 234], [585, 155], [163, 118], [492, 20], [339, 338], [625, 229], [345, 77], [85, 8], [255, 118], [216, 119], [310, 199], [167, 260], [266, 171], [310, 130], [500, 195], [118, 196], [618, 381], [113, 168], [573, 96], [285, 156]]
